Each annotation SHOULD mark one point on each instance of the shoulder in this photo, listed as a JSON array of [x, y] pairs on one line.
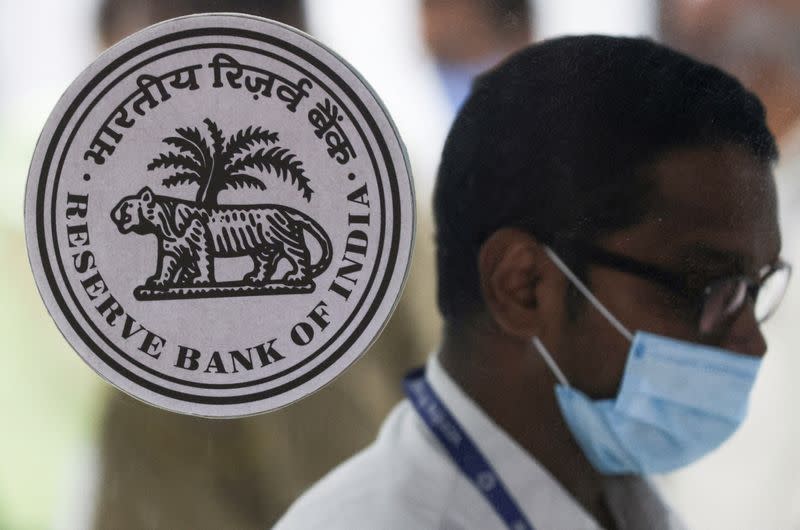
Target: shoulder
[[403, 480]]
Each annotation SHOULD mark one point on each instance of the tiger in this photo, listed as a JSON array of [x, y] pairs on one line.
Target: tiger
[[190, 236]]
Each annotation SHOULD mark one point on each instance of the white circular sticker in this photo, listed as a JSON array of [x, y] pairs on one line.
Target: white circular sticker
[[219, 215]]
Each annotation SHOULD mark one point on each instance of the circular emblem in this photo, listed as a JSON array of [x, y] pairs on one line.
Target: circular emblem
[[219, 215]]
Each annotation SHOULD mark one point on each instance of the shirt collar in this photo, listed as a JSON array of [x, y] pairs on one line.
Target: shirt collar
[[543, 500]]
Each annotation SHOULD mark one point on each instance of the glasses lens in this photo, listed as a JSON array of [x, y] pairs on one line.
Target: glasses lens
[[773, 288], [723, 300]]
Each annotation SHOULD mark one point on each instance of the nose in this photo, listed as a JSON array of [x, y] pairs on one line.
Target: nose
[[744, 335]]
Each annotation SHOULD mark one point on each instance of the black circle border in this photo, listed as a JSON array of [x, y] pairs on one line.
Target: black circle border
[[109, 342], [392, 179]]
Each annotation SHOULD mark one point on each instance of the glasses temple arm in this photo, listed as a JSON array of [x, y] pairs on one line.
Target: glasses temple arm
[[588, 294]]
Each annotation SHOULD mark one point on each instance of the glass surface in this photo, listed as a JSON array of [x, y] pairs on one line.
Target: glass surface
[[80, 454]]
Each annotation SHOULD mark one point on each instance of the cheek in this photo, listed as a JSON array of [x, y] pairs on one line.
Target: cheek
[[641, 305], [594, 353], [663, 313]]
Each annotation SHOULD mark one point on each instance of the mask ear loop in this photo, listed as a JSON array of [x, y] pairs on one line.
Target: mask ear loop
[[588, 294], [548, 359]]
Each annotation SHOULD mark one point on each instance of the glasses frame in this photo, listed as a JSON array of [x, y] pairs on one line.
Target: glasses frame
[[679, 283]]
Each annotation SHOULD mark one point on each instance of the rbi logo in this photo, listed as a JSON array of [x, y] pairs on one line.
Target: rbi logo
[[219, 215], [193, 234]]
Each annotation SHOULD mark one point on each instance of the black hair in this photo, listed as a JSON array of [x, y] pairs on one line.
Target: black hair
[[554, 139]]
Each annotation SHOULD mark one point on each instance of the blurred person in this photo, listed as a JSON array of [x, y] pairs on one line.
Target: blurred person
[[466, 37], [460, 40], [608, 246], [756, 41], [163, 470], [759, 43], [119, 18]]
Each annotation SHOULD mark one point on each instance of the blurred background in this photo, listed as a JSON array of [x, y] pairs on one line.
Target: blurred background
[[78, 454]]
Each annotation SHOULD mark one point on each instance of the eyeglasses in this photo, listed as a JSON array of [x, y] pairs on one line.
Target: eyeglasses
[[719, 302]]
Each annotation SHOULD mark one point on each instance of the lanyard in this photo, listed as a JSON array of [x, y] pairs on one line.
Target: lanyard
[[463, 451]]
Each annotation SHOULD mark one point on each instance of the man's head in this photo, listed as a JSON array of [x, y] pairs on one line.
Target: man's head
[[615, 143], [467, 37], [472, 31], [119, 18]]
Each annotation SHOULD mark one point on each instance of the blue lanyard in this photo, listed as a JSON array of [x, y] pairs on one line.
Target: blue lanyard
[[463, 451]]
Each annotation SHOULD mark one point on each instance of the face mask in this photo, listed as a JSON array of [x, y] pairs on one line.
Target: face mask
[[677, 401]]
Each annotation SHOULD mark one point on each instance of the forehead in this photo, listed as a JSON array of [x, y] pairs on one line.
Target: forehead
[[709, 202]]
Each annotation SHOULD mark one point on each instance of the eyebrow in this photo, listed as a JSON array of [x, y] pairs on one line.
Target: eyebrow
[[701, 255]]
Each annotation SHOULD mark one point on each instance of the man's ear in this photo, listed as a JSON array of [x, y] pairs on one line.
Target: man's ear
[[515, 274]]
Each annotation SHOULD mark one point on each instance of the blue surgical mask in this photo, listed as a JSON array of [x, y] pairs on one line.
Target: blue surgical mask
[[677, 401]]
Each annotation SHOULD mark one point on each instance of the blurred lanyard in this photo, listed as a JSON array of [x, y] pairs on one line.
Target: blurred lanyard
[[464, 453]]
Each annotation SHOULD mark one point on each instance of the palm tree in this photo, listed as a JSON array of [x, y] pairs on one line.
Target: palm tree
[[225, 165]]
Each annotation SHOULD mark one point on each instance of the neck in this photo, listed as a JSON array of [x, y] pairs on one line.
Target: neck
[[526, 409]]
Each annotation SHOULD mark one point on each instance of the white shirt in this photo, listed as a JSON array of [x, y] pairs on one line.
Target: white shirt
[[407, 480]]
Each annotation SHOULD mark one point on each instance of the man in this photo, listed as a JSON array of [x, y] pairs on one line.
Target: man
[[590, 188]]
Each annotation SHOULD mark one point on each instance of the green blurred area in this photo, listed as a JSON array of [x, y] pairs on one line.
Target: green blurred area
[[49, 399]]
